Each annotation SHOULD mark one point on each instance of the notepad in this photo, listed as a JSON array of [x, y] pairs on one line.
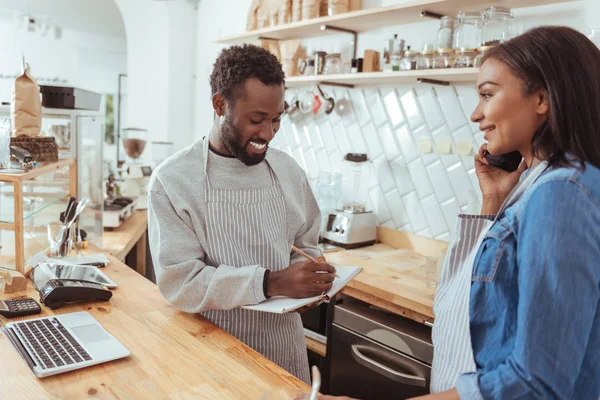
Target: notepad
[[282, 304]]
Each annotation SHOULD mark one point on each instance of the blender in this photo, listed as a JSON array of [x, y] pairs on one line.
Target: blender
[[353, 226]]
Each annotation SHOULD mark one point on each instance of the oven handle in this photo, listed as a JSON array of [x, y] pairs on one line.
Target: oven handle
[[386, 371]]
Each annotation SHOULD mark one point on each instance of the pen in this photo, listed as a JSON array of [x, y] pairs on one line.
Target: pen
[[297, 250]]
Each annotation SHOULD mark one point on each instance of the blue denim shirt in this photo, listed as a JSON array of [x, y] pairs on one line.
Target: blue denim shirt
[[534, 305]]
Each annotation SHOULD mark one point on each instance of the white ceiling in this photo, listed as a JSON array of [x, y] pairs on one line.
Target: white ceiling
[[94, 16]]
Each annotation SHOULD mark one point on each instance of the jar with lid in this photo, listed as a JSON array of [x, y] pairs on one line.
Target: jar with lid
[[497, 23], [335, 7], [465, 58], [409, 61], [483, 50], [444, 58], [425, 60], [468, 32], [445, 34], [333, 64]]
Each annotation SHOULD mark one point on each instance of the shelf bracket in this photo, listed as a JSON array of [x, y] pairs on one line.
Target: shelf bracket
[[267, 38], [354, 33], [433, 81], [338, 84], [430, 14]]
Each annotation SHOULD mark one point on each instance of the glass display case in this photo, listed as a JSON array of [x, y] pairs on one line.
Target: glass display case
[[29, 201]]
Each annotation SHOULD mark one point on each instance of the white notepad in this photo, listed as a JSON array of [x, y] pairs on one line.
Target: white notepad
[[282, 304]]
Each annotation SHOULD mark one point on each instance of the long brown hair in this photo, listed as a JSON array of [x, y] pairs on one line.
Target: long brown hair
[[566, 64]]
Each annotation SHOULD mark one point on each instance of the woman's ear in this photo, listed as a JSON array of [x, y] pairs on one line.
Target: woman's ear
[[543, 102], [219, 104]]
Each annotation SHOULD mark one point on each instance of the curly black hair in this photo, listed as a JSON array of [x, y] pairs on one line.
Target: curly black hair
[[236, 64]]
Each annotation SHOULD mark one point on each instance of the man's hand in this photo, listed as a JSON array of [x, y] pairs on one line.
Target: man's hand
[[301, 279]]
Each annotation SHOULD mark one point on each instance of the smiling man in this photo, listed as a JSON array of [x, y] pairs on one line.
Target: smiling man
[[225, 212]]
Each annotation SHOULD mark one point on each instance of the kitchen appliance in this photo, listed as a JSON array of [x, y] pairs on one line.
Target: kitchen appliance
[[378, 355], [135, 174], [69, 98], [353, 226]]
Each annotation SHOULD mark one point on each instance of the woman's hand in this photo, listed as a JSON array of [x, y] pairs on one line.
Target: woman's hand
[[495, 183]]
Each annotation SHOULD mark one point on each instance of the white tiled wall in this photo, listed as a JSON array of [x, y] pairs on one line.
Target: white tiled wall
[[410, 191]]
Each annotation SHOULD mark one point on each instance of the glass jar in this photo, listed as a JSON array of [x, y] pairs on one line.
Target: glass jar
[[465, 58], [496, 25], [425, 60], [335, 7], [479, 58], [468, 32], [333, 64], [444, 58], [445, 34], [409, 61]]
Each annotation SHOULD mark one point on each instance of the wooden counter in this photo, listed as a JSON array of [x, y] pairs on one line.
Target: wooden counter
[[393, 276], [120, 241], [173, 354]]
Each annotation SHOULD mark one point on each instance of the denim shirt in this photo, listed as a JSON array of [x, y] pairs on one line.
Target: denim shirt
[[534, 303]]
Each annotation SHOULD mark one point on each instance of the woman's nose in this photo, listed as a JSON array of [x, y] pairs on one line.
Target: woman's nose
[[477, 114]]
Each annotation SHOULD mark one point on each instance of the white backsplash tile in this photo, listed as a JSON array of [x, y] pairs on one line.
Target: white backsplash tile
[[451, 210], [440, 182], [388, 142], [393, 108], [455, 116], [327, 137], [399, 214], [409, 190], [407, 144], [444, 236], [356, 139], [404, 182], [384, 174], [380, 206], [374, 149], [468, 98], [373, 99], [419, 177], [431, 109], [341, 138], [411, 109], [434, 215], [415, 211], [460, 183]]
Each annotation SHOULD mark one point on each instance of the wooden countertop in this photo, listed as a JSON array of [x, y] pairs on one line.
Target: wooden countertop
[[119, 241], [173, 354], [393, 276]]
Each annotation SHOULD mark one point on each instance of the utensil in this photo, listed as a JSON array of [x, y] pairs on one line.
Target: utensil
[[316, 383], [330, 101]]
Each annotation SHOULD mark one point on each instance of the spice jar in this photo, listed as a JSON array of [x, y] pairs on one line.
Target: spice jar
[[333, 64], [425, 60], [496, 25], [468, 32], [445, 34], [465, 58], [409, 61], [482, 52], [444, 58]]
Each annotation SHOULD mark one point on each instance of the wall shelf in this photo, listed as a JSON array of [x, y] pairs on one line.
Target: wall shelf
[[375, 18], [41, 169], [451, 75]]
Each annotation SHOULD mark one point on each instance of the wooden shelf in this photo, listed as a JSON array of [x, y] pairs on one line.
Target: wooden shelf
[[378, 17], [41, 170], [381, 78]]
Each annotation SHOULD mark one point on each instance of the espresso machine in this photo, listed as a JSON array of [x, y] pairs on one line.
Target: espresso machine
[[353, 225]]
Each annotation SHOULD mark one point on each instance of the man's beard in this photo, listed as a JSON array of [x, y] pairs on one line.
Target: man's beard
[[230, 136]]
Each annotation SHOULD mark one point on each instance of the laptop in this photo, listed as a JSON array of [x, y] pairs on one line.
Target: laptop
[[62, 343]]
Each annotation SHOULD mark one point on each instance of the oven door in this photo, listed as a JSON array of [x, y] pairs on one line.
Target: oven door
[[364, 369]]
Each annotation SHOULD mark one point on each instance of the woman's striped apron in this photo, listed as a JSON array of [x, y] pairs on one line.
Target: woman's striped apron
[[452, 350], [249, 227]]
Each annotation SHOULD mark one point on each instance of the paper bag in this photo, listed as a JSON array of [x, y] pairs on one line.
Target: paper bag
[[26, 106]]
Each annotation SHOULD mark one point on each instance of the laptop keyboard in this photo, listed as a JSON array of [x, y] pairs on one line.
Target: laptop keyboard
[[50, 344]]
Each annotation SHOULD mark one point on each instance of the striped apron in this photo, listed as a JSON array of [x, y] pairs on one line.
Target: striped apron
[[452, 349], [249, 227]]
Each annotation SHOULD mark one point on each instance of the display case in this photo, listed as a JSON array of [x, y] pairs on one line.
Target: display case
[[29, 201]]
